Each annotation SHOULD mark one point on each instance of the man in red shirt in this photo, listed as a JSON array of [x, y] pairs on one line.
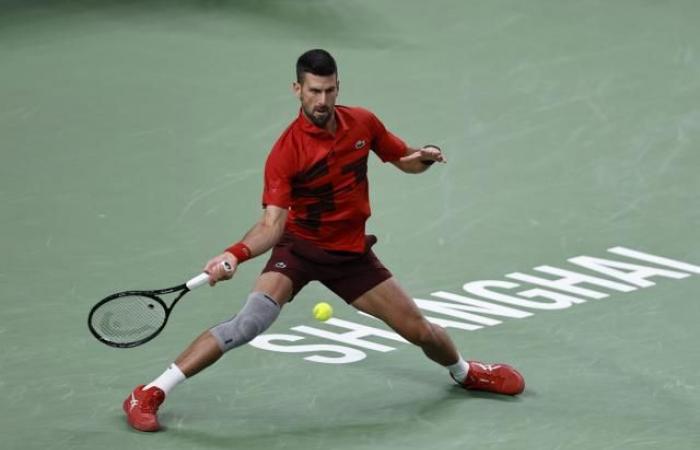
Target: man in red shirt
[[316, 203]]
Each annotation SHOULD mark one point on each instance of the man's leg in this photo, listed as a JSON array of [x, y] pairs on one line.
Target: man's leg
[[388, 302], [205, 350], [272, 290]]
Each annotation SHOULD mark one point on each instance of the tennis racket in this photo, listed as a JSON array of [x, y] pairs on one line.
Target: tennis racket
[[131, 318]]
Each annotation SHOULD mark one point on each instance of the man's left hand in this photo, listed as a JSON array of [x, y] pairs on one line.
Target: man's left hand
[[430, 154]]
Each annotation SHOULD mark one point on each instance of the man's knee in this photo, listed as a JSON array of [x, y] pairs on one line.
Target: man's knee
[[259, 312]]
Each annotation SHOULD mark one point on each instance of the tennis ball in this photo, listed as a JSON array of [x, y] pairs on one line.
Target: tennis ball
[[323, 311]]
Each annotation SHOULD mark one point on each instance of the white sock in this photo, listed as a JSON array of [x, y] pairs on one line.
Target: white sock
[[169, 379], [459, 369]]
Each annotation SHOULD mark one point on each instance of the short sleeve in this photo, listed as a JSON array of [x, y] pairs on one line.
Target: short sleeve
[[385, 144], [277, 186]]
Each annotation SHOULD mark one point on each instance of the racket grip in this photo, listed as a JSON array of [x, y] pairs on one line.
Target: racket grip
[[203, 278], [199, 280]]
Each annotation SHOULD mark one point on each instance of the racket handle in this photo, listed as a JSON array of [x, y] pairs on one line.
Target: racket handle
[[199, 280], [203, 278]]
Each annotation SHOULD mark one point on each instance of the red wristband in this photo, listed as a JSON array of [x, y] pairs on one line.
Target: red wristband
[[240, 251]]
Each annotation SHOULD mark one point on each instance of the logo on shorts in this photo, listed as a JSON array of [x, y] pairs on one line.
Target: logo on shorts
[[280, 265], [359, 144]]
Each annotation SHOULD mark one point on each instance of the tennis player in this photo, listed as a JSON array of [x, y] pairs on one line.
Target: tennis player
[[316, 204]]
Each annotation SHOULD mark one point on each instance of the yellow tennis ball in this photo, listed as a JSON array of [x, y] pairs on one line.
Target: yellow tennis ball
[[323, 311]]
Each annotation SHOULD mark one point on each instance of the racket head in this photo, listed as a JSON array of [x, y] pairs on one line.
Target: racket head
[[128, 319]]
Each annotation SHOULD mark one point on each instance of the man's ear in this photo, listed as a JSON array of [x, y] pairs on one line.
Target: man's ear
[[296, 89]]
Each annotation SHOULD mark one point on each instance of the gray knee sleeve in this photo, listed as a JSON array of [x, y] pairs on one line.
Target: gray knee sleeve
[[255, 317]]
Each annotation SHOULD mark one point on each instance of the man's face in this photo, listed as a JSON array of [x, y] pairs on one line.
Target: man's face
[[317, 95]]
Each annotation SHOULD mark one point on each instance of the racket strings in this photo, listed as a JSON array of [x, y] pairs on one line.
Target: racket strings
[[128, 319]]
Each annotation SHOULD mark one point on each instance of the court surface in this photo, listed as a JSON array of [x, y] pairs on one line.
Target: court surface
[[133, 136]]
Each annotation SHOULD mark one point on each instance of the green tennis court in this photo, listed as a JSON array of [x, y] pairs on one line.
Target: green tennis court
[[133, 137]]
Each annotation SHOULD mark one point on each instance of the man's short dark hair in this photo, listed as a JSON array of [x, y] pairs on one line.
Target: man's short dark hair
[[317, 62]]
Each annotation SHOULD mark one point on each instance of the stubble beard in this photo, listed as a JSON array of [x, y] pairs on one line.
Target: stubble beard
[[319, 121]]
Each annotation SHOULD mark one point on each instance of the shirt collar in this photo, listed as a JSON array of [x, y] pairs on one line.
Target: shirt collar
[[308, 127]]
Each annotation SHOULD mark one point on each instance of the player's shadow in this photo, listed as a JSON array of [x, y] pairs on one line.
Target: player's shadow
[[376, 418], [452, 390], [352, 424], [267, 439]]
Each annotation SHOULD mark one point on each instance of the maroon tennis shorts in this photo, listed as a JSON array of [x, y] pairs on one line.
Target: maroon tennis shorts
[[347, 274]]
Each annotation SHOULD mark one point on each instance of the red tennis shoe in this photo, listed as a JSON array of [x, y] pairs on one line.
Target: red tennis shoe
[[141, 408], [498, 378]]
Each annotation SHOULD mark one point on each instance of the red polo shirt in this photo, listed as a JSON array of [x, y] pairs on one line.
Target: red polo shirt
[[322, 177]]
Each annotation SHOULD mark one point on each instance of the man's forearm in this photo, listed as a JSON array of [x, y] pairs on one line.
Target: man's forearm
[[262, 237], [413, 162]]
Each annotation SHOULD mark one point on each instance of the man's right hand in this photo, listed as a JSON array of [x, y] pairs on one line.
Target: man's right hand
[[217, 270]]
